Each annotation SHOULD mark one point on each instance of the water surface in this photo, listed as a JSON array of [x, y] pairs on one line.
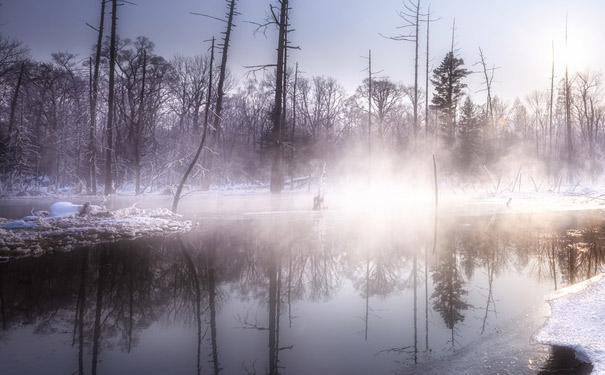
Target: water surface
[[298, 293]]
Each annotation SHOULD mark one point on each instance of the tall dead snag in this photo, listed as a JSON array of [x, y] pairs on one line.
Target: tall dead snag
[[426, 77], [488, 76], [277, 174], [293, 129], [138, 131], [109, 152], [568, 117], [550, 110], [179, 190], [94, 92], [411, 18], [220, 93], [370, 78]]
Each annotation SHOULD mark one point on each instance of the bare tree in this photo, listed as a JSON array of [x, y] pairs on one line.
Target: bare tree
[[109, 151], [589, 110], [218, 108], [177, 195], [277, 175], [568, 117], [93, 99], [411, 17]]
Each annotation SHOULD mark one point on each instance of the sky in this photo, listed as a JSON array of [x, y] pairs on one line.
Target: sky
[[516, 36]]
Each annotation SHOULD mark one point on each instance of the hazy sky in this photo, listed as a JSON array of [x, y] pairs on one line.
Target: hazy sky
[[334, 35]]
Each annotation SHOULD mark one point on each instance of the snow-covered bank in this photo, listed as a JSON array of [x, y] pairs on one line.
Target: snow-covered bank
[[66, 226], [577, 321]]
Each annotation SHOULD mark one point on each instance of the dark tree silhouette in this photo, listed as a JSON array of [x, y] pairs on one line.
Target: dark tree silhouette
[[449, 292], [447, 79], [468, 150]]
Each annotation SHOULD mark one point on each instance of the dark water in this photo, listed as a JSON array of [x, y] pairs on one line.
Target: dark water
[[300, 294]]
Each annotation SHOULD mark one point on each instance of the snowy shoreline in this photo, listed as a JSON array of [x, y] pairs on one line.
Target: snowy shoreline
[[577, 322], [66, 226]]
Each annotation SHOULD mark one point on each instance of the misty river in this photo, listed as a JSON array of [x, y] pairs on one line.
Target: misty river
[[301, 293]]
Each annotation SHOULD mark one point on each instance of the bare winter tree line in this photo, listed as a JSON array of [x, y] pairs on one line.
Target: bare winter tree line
[[128, 119]]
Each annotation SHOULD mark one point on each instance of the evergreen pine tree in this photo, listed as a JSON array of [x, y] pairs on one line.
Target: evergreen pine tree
[[447, 79], [468, 151]]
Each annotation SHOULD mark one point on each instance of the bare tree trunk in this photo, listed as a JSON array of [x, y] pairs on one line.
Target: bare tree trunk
[[220, 94], [139, 129], [293, 128], [179, 190], [369, 117], [568, 118], [426, 83], [277, 177], [94, 92], [109, 152], [417, 26], [550, 110]]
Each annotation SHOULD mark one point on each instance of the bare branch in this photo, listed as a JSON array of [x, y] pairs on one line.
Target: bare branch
[[208, 16]]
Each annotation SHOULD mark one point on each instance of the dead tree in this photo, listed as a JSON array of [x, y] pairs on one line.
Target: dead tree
[[109, 152], [179, 190], [369, 117], [488, 76], [411, 17], [550, 110], [277, 175], [138, 131], [426, 82], [94, 92], [568, 118], [218, 108]]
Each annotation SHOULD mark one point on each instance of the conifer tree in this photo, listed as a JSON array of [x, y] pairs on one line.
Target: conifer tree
[[468, 151], [447, 79]]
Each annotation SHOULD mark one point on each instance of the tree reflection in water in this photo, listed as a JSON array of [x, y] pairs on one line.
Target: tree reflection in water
[[231, 279]]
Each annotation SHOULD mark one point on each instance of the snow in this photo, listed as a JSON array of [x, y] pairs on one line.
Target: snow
[[577, 321], [19, 224], [66, 228]]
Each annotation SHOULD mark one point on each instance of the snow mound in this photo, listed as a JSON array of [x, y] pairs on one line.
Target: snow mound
[[577, 322], [70, 226], [61, 209]]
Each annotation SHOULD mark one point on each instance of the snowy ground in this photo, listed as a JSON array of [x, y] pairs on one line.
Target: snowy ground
[[66, 225], [577, 321], [506, 351]]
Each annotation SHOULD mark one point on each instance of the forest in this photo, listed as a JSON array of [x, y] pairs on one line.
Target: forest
[[126, 119]]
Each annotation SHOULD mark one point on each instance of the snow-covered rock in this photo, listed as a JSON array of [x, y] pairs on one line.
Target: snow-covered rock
[[577, 321]]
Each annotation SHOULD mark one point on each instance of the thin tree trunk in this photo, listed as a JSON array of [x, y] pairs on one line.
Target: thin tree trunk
[[568, 118], [426, 84], [277, 178], [109, 152], [218, 109], [94, 92], [369, 117], [550, 111], [417, 26], [293, 128], [139, 129], [179, 190]]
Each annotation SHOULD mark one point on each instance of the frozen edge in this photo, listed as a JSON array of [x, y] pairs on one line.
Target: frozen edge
[[577, 321]]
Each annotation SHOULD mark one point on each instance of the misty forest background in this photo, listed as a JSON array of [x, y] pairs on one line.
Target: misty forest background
[[126, 119]]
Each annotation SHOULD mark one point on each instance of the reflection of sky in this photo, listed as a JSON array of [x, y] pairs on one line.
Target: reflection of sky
[[327, 333], [514, 35]]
